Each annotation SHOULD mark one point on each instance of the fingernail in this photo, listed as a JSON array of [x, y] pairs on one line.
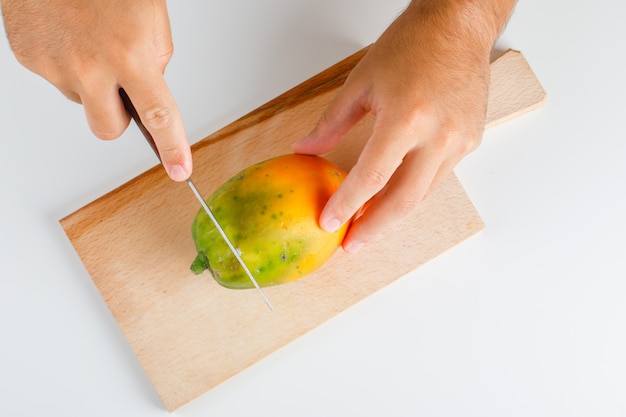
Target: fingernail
[[353, 247], [331, 225], [177, 173]]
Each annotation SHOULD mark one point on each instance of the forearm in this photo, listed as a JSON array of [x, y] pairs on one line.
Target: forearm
[[478, 21]]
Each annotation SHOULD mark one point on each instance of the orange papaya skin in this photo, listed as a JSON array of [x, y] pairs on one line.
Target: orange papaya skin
[[270, 211]]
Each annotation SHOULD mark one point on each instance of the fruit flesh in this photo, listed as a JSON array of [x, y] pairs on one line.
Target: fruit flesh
[[270, 212]]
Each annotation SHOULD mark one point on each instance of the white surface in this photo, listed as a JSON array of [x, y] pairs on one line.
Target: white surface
[[527, 318]]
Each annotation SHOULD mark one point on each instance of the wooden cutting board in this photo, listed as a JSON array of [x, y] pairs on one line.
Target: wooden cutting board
[[189, 333]]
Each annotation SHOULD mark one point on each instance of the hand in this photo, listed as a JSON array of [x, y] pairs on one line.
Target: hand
[[89, 50], [426, 82]]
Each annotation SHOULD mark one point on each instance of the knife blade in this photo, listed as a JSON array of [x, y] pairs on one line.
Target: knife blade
[[130, 108]]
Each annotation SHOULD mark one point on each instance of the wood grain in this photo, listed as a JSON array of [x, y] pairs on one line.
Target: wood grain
[[189, 333]]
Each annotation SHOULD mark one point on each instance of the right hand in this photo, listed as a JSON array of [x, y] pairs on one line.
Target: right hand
[[425, 81], [89, 50]]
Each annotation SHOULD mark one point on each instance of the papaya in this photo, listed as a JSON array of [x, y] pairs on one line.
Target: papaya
[[270, 211]]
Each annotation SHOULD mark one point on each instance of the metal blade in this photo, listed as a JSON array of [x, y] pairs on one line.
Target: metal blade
[[135, 116], [232, 247]]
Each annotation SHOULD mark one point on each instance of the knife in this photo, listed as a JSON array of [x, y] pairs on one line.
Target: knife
[[130, 108]]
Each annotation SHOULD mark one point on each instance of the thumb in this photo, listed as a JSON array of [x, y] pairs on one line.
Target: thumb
[[343, 112]]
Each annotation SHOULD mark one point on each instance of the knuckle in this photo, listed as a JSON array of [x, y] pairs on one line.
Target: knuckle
[[373, 178], [466, 143], [472, 142], [106, 129], [444, 142], [68, 92], [107, 133], [164, 47], [457, 144], [87, 72], [405, 207], [158, 117]]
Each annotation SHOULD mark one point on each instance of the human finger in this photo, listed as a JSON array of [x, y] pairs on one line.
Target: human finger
[[389, 142], [411, 181], [342, 113], [105, 112], [158, 112]]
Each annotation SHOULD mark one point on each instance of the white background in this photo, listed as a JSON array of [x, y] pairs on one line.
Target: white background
[[527, 318]]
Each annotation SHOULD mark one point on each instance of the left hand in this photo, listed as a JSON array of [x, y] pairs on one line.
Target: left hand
[[426, 83]]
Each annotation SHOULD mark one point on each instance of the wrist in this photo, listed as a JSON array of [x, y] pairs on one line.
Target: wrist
[[478, 21]]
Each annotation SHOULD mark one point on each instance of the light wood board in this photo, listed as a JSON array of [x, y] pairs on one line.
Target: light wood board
[[189, 333]]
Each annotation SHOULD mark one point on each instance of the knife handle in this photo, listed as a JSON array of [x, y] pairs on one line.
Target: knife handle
[[130, 108]]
